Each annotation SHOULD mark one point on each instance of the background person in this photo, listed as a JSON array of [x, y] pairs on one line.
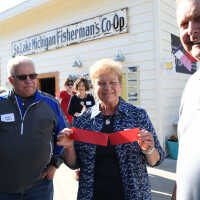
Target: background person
[[64, 97], [81, 100], [188, 170], [29, 123], [112, 172]]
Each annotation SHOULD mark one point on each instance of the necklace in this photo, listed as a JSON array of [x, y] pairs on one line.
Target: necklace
[[107, 121]]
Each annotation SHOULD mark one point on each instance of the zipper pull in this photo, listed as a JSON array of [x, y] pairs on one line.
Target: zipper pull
[[22, 128]]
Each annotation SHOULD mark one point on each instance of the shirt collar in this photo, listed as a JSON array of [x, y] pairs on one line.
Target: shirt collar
[[120, 109], [36, 95]]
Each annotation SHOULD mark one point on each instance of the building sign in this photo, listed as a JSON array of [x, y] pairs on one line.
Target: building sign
[[94, 28]]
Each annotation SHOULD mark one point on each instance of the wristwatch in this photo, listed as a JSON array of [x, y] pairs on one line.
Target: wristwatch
[[148, 152]]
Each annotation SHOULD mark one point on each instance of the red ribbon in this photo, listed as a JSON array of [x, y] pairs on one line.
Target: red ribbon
[[88, 136], [98, 138], [123, 137]]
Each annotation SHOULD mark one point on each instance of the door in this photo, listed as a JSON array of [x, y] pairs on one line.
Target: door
[[48, 82]]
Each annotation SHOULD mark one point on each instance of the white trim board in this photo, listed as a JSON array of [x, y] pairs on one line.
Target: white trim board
[[21, 8]]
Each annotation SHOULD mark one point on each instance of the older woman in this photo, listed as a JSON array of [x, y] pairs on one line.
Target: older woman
[[112, 172], [81, 100]]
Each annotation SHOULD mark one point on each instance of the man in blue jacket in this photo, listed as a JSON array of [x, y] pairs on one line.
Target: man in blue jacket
[[29, 123]]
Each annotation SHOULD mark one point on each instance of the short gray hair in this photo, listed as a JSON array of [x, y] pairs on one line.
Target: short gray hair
[[15, 62], [103, 66]]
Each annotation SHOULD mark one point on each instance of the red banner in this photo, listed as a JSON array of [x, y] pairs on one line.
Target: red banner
[[98, 138]]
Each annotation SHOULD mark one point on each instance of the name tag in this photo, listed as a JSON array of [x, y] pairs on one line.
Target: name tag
[[8, 117], [88, 103]]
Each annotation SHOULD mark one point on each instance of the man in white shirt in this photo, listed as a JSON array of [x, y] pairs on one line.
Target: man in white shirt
[[188, 164]]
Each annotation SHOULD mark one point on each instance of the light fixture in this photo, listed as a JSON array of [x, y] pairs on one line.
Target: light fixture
[[119, 57], [77, 63]]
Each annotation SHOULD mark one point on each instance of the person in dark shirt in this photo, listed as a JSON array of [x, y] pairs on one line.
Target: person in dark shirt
[[29, 123], [81, 100]]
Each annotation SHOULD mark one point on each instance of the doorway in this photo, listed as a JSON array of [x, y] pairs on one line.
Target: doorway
[[48, 83]]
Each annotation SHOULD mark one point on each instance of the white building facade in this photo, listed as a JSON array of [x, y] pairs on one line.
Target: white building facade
[[59, 34]]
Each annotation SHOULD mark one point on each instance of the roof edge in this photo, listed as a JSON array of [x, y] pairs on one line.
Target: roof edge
[[21, 8]]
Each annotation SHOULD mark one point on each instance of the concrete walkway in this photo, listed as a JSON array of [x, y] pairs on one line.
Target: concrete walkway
[[65, 186], [162, 180]]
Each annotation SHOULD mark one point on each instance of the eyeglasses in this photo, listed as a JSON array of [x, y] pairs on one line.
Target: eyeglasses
[[70, 84], [112, 84], [23, 77]]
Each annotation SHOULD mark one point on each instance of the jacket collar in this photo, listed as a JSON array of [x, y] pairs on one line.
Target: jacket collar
[[121, 108], [12, 95]]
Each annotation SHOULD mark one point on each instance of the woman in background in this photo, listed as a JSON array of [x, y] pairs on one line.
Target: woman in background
[[64, 97], [81, 100]]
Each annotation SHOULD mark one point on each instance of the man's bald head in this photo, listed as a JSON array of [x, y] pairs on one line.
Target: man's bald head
[[188, 19]]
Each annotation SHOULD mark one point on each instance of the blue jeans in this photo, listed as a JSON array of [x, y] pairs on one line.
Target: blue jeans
[[42, 190]]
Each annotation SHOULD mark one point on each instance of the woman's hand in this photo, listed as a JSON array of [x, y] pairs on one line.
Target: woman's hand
[[49, 172], [76, 114], [67, 142], [77, 174], [146, 140], [64, 138], [83, 109]]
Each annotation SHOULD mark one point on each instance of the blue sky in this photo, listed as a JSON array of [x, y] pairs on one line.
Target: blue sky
[[6, 4]]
